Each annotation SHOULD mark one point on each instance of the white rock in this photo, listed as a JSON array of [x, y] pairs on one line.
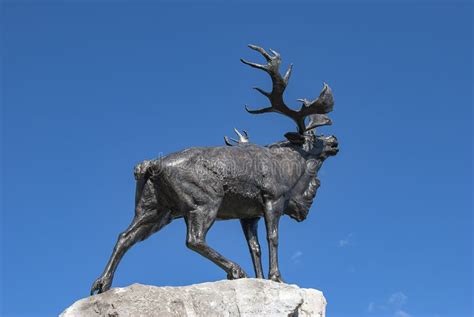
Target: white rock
[[242, 297]]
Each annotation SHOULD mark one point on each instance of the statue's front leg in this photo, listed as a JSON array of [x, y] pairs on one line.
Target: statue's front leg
[[273, 212]]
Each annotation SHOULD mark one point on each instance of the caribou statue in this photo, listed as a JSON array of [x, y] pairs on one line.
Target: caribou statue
[[238, 180]]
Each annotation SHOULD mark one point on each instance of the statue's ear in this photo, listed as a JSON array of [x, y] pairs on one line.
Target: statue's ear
[[295, 138]]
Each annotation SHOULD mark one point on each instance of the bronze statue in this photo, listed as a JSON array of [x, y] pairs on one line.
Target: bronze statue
[[243, 181]]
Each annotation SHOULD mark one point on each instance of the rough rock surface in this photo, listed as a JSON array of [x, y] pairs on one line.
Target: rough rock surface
[[242, 297]]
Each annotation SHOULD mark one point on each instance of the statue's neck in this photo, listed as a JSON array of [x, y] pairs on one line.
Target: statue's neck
[[304, 191]]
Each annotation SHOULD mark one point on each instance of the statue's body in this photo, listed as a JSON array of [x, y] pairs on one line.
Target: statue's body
[[244, 181]]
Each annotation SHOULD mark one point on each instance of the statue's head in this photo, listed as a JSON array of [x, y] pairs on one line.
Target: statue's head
[[320, 147]]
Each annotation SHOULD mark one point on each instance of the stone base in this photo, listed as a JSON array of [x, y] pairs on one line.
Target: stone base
[[242, 297]]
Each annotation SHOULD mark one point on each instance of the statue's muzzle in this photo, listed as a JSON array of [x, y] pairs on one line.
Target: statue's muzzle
[[331, 146]]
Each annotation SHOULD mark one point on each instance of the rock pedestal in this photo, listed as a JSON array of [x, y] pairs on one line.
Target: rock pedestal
[[242, 297]]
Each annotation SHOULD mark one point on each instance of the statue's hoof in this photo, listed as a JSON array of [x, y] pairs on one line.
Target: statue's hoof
[[236, 273], [100, 285], [276, 278]]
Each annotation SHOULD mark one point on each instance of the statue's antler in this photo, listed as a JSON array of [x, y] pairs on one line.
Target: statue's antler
[[315, 109], [243, 138]]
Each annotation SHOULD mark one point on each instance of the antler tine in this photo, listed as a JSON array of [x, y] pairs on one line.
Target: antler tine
[[259, 111], [227, 142], [263, 92], [275, 53], [261, 51], [242, 139], [254, 65], [286, 78]]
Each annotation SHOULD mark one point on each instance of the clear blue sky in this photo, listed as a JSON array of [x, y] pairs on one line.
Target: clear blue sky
[[90, 88]]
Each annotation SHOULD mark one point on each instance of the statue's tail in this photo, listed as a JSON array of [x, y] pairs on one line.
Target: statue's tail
[[142, 174]]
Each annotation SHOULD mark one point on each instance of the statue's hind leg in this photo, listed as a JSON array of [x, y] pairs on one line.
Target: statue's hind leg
[[148, 219], [198, 222], [250, 228]]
